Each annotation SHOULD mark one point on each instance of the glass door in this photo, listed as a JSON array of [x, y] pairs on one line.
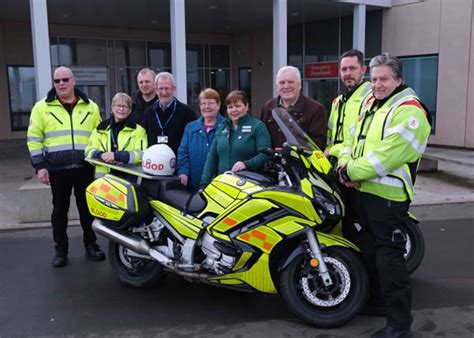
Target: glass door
[[323, 91], [99, 95]]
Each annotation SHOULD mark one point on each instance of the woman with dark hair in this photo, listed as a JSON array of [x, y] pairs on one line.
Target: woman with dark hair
[[237, 140]]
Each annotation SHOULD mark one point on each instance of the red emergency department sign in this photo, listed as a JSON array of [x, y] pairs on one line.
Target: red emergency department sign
[[321, 70]]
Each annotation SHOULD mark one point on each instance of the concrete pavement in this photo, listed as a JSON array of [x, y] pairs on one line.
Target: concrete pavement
[[452, 183]]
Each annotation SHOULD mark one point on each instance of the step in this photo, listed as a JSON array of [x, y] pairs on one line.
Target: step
[[36, 203]]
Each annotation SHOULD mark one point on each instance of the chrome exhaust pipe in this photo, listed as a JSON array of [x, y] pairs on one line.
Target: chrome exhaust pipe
[[124, 238], [130, 241]]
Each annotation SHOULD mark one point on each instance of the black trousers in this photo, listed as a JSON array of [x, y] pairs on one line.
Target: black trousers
[[62, 183], [351, 216], [382, 240]]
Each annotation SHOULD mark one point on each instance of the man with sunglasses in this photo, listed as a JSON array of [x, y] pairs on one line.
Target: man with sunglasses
[[59, 130]]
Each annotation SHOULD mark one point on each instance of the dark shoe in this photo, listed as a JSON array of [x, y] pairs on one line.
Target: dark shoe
[[391, 332], [94, 253], [60, 258], [373, 308]]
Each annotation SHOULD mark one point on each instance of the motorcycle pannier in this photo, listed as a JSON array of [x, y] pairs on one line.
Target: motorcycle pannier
[[117, 202]]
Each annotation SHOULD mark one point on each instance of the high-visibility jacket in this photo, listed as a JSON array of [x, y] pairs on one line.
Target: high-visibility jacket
[[132, 139], [344, 112], [388, 145], [56, 139]]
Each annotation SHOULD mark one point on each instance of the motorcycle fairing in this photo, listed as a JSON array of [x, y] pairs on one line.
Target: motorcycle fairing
[[186, 225], [298, 203], [110, 197], [258, 276]]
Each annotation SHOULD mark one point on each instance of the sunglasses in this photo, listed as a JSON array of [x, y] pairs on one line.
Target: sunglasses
[[65, 80]]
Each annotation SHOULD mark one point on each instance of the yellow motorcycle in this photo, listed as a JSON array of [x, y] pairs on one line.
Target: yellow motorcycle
[[246, 231]]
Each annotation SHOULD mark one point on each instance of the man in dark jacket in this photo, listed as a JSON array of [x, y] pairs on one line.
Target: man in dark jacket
[[309, 114], [145, 96], [166, 118]]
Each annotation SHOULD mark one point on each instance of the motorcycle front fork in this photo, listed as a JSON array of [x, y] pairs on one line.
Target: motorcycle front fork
[[316, 253]]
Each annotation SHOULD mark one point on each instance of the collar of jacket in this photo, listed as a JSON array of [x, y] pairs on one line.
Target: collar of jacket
[[295, 104], [137, 98], [174, 103], [347, 95], [200, 123], [104, 125], [51, 96], [242, 120], [380, 103]]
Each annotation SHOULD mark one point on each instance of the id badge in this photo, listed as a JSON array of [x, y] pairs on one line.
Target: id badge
[[162, 139]]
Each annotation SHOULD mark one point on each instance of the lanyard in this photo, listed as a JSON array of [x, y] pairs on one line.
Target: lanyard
[[112, 137], [169, 118]]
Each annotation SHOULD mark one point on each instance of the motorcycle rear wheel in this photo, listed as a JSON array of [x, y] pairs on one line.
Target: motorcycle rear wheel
[[134, 271], [415, 246], [305, 294]]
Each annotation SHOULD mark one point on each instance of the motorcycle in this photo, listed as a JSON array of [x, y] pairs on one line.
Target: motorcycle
[[244, 231]]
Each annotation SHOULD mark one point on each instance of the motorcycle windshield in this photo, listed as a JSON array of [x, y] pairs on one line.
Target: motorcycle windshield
[[292, 131]]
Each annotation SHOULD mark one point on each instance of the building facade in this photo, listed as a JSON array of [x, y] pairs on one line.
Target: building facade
[[230, 44]]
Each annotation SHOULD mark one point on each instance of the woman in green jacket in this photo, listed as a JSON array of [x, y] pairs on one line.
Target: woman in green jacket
[[117, 140], [237, 140]]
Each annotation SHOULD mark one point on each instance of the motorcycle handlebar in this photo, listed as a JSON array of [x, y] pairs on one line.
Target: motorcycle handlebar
[[269, 151]]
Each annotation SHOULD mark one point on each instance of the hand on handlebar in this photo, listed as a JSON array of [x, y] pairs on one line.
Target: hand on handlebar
[[239, 166]]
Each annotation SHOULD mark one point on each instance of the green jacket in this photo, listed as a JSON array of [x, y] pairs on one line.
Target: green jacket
[[131, 142], [56, 138], [230, 146], [388, 144], [344, 112]]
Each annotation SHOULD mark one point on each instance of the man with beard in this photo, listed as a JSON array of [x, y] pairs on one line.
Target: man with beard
[[344, 112], [346, 107]]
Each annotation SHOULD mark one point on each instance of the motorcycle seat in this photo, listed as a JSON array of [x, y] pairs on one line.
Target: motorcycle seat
[[176, 195]]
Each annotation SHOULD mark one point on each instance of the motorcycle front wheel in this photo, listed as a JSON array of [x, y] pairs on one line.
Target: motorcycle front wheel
[[133, 271], [323, 306], [414, 246]]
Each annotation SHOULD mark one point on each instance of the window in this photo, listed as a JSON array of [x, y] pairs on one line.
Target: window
[[159, 56], [22, 88], [245, 81], [78, 52], [130, 53], [421, 74]]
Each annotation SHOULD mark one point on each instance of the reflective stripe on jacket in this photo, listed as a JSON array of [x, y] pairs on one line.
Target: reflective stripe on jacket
[[344, 113], [388, 145], [56, 139]]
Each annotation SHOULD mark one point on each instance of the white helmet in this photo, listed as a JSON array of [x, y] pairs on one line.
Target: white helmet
[[159, 160]]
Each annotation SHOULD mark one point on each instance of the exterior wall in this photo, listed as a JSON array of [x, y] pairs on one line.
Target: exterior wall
[[4, 99], [443, 28], [262, 70], [470, 93], [16, 49], [453, 77], [254, 50]]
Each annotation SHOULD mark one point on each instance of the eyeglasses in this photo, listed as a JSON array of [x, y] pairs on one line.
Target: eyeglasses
[[64, 79], [210, 103], [121, 106]]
